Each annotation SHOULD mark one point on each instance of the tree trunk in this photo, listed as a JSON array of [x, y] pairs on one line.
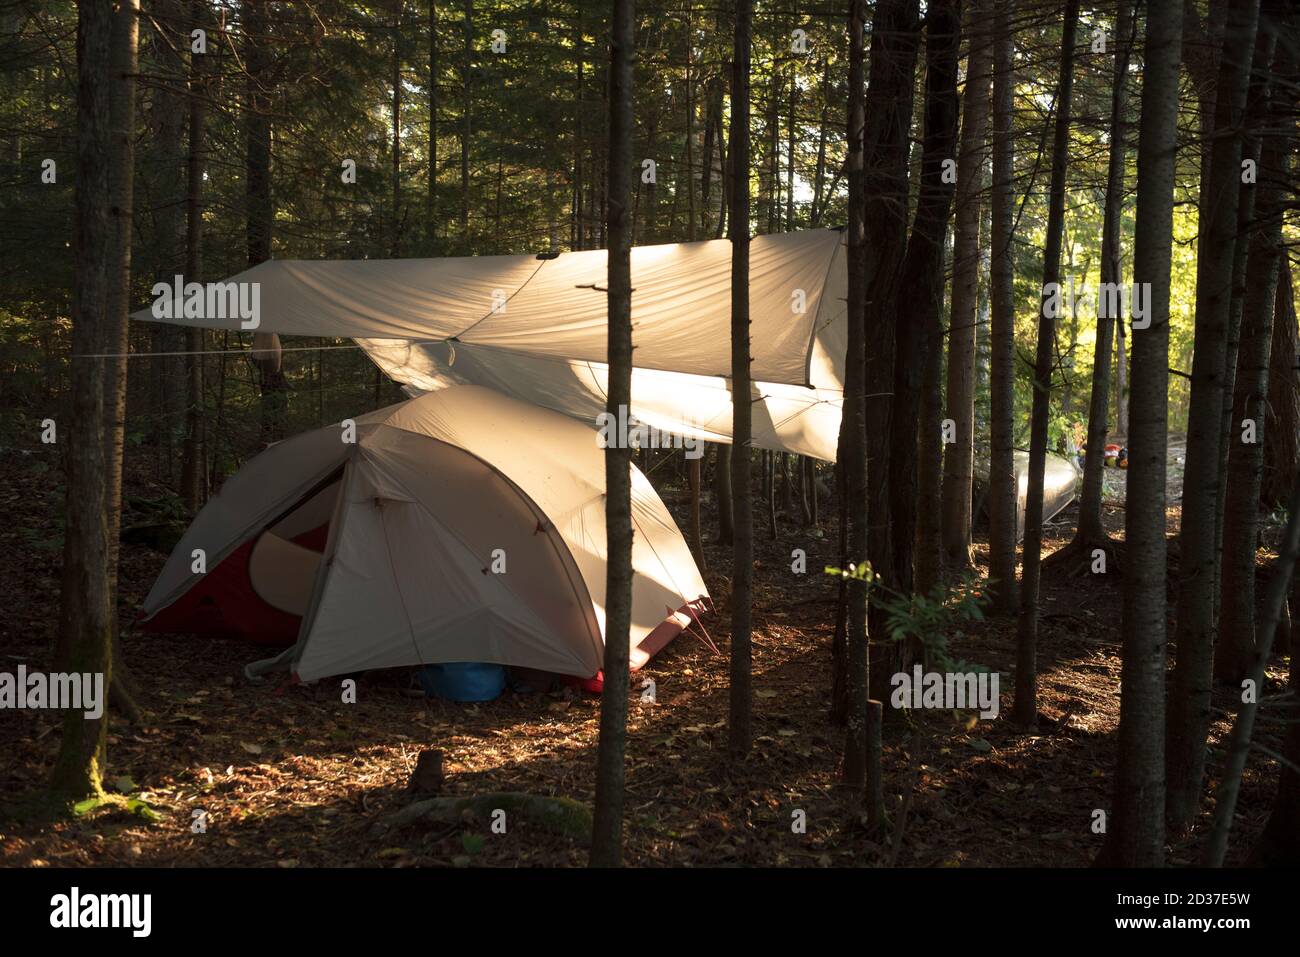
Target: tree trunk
[[852, 458], [789, 142], [819, 175], [166, 113], [724, 167], [86, 613], [917, 446], [431, 182], [1026, 708], [396, 232], [607, 827], [706, 167], [1091, 531], [1189, 697], [1256, 108], [722, 488], [259, 208], [1282, 451], [193, 470], [690, 154], [959, 456], [740, 724], [1279, 844], [1235, 653], [467, 69], [1121, 381], [696, 541], [1239, 743], [810, 488], [769, 472], [1137, 837], [885, 155], [802, 490], [126, 29], [1003, 492]]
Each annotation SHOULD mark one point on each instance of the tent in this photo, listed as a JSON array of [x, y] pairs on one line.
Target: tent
[[459, 526]]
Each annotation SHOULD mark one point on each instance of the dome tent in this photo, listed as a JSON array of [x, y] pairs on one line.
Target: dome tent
[[458, 526]]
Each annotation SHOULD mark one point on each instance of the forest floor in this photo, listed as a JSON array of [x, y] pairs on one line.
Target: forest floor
[[296, 778]]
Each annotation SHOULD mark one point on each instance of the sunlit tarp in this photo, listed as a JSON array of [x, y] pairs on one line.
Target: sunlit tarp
[[785, 418], [556, 307]]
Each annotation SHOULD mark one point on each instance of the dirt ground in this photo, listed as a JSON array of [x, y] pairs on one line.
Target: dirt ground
[[293, 777]]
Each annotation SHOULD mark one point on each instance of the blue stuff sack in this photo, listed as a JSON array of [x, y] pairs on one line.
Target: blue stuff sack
[[463, 681]]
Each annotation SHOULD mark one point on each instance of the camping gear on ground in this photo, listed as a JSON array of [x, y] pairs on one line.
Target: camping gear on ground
[[530, 680], [463, 681], [1060, 482], [1111, 458], [1121, 460], [462, 526]]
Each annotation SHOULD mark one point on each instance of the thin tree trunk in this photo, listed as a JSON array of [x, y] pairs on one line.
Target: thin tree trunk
[[885, 154], [397, 130], [126, 28], [790, 137], [1137, 837], [1003, 492], [959, 455], [819, 176], [1121, 381], [810, 488], [1235, 653], [917, 453], [260, 210], [1279, 844], [722, 488], [706, 169], [769, 473], [117, 333], [839, 709], [1282, 451], [166, 372], [740, 723], [852, 458], [1091, 531], [1256, 107], [578, 230], [1189, 696], [690, 155], [86, 613], [193, 470], [607, 826], [1239, 743], [431, 182], [1026, 707], [697, 540], [467, 68], [724, 166]]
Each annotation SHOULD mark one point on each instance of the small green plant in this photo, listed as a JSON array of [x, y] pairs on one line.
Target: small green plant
[[926, 619]]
